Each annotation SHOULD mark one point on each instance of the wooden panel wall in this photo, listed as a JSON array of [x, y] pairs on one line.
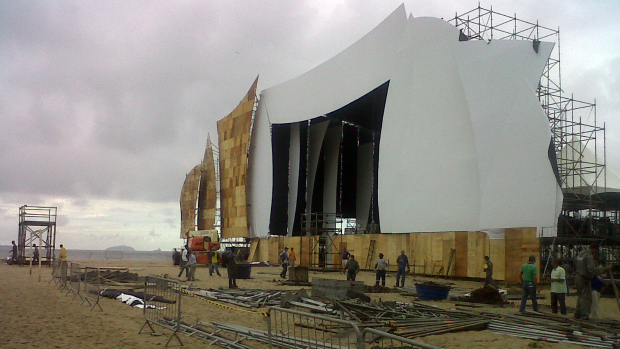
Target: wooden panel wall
[[189, 195], [432, 248], [234, 140]]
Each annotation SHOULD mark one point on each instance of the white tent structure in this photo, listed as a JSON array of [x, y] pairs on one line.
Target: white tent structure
[[413, 128]]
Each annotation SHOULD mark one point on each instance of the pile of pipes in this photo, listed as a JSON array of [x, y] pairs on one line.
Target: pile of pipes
[[246, 298], [557, 328]]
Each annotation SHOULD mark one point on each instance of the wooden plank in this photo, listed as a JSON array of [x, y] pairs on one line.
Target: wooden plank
[[253, 248]]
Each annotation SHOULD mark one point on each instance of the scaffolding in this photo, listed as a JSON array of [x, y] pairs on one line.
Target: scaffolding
[[324, 226], [574, 127], [37, 225]]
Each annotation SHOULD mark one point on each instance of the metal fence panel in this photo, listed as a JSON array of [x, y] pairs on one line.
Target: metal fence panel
[[92, 287], [64, 266], [75, 279], [297, 329], [55, 270], [162, 305], [384, 340]]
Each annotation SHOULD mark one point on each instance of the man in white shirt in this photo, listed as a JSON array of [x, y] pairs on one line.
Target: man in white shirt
[[558, 287], [381, 267]]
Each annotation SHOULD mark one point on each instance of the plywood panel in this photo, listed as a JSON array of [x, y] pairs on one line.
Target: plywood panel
[[189, 195], [207, 192], [461, 246], [234, 136], [498, 257]]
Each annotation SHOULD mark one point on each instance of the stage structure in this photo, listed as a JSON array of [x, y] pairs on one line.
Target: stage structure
[[420, 126], [37, 225], [588, 211]]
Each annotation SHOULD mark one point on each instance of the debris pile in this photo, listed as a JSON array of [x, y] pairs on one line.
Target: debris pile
[[487, 295]]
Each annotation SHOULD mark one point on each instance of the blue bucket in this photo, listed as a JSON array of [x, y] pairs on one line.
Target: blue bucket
[[432, 292]]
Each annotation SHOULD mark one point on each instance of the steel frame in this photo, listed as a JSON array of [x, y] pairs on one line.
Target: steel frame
[[37, 225], [573, 122]]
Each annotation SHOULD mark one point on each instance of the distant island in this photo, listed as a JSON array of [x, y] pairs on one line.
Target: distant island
[[121, 248]]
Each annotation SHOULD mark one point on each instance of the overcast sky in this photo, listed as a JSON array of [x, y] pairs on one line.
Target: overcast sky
[[106, 105]]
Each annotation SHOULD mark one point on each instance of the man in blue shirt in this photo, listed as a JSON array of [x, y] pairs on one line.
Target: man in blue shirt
[[402, 261], [345, 257]]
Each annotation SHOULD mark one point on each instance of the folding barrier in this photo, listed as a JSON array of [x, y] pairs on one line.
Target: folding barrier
[[92, 287], [55, 271], [63, 274], [75, 279], [297, 329], [162, 305]]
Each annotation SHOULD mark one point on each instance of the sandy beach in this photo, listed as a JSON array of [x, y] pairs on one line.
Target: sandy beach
[[35, 314]]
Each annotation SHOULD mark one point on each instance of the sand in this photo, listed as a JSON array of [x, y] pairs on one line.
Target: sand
[[35, 314]]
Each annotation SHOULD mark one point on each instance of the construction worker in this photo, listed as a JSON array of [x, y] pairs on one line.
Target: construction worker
[[586, 270], [352, 268], [231, 267], [284, 261], [381, 267], [558, 287], [488, 270], [191, 265], [345, 257], [63, 253], [528, 280], [292, 258], [402, 261]]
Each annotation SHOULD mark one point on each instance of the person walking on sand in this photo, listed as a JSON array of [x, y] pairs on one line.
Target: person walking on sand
[[488, 270], [284, 261], [292, 258], [184, 260], [558, 287], [352, 268], [586, 270], [191, 265], [214, 263], [381, 267], [402, 261], [14, 253], [528, 280], [231, 267]]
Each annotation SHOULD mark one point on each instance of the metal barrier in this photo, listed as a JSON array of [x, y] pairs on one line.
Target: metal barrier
[[381, 339], [162, 305], [75, 279], [92, 287], [297, 329], [63, 274], [55, 271]]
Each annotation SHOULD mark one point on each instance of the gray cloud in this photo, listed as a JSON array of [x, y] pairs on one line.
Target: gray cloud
[[114, 100]]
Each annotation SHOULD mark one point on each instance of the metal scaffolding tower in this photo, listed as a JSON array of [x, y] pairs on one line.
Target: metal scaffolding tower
[[37, 225], [573, 123]]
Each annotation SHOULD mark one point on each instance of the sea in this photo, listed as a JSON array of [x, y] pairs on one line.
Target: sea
[[5, 251]]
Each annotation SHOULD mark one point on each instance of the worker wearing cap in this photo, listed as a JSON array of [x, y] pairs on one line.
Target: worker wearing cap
[[586, 270]]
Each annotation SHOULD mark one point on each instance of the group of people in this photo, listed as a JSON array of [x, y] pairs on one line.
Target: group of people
[[351, 267], [35, 254], [587, 281], [186, 258]]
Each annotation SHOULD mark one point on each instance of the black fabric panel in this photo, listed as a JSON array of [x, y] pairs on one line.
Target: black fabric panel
[[366, 111], [348, 172], [280, 144], [319, 185], [375, 192], [553, 160], [303, 177]]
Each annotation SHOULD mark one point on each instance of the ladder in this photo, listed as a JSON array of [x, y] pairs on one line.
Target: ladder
[[371, 252]]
